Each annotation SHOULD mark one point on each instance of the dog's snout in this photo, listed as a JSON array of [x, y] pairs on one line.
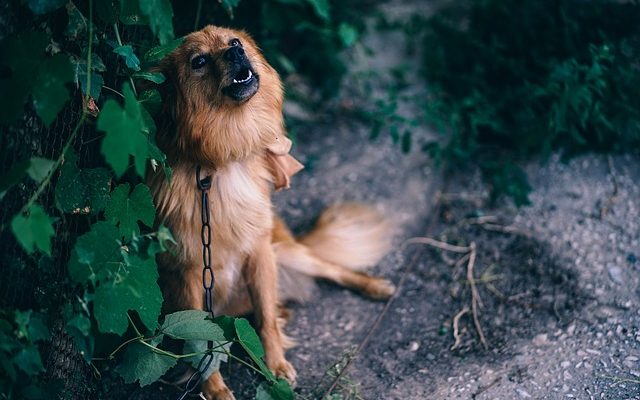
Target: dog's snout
[[234, 54]]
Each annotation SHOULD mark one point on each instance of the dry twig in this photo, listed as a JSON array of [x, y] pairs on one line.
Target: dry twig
[[438, 244], [470, 253], [475, 296], [456, 327]]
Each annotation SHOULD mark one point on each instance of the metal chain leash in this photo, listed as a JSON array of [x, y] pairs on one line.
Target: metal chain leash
[[208, 280]]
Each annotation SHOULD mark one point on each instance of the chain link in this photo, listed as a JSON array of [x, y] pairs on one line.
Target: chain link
[[208, 280]]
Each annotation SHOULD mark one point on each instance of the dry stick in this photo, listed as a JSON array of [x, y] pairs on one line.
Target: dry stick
[[403, 277], [438, 244], [471, 252], [456, 327], [475, 296]]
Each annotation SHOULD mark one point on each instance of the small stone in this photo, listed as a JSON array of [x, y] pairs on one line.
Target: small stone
[[523, 393], [615, 273], [566, 375], [541, 339], [414, 346], [565, 364]]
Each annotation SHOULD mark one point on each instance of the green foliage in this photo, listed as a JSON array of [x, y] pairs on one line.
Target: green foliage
[[112, 297], [126, 210], [160, 14], [191, 325], [122, 281], [549, 76], [20, 360], [33, 74], [143, 364], [126, 133], [83, 190]]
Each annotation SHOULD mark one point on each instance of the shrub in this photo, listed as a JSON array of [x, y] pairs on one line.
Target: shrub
[[513, 80]]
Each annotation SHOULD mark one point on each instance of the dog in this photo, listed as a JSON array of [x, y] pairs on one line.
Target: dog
[[222, 111]]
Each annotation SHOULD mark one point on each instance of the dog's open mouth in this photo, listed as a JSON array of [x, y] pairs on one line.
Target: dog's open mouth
[[243, 76], [244, 85]]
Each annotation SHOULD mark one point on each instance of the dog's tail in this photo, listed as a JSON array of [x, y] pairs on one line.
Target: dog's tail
[[347, 239]]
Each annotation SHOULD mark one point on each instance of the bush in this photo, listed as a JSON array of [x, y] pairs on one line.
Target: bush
[[513, 80]]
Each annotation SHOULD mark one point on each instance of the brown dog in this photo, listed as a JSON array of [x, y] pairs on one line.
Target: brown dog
[[223, 111]]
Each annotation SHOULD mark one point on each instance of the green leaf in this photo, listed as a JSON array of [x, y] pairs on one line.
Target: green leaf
[[126, 52], [49, 91], [45, 6], [229, 5], [33, 72], [280, 390], [94, 251], [125, 133], [39, 168], [141, 364], [28, 360], [34, 230], [250, 342], [321, 8], [79, 327], [125, 286], [126, 210], [81, 190], [192, 325], [160, 15], [227, 324], [347, 34], [248, 338], [80, 75], [157, 53], [155, 77]]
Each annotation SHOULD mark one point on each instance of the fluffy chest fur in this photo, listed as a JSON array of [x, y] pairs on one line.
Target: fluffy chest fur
[[240, 213]]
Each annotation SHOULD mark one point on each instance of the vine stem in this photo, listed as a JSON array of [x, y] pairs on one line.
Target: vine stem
[[115, 28]]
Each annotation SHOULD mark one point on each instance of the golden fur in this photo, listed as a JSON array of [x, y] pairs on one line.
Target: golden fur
[[257, 262]]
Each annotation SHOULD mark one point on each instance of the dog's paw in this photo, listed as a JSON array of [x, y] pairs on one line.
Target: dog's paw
[[284, 369], [380, 289], [220, 394]]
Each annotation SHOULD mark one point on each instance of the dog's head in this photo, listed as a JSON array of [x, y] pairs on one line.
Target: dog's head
[[223, 99]]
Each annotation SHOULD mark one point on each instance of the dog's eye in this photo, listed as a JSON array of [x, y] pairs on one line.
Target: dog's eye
[[234, 43], [199, 62]]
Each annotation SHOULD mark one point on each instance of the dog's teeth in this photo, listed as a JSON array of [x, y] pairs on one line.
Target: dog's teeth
[[249, 76]]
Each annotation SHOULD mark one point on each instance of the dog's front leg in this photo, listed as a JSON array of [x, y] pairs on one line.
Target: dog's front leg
[[261, 276]]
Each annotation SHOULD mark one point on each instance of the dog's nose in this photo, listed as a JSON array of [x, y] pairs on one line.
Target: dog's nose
[[234, 54]]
